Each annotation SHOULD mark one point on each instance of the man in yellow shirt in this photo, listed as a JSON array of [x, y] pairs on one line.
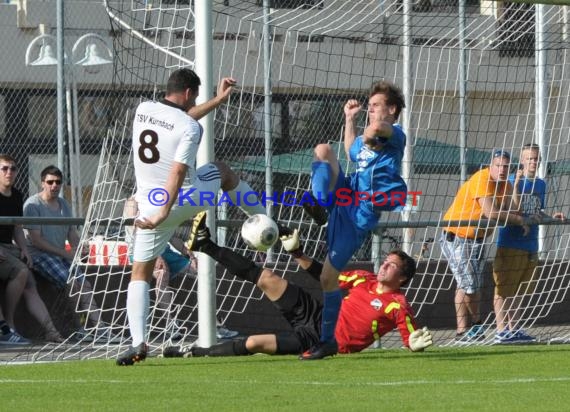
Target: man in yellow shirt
[[486, 195]]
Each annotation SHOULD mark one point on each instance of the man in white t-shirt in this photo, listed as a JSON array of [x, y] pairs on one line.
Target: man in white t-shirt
[[166, 136], [53, 261]]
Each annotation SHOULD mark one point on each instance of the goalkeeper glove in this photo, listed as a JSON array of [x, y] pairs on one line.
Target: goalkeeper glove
[[292, 244], [420, 339]]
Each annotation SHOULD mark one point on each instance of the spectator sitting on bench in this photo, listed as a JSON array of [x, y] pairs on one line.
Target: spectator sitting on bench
[[15, 263], [51, 258]]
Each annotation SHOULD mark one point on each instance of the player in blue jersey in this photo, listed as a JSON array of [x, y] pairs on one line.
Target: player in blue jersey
[[354, 202], [517, 253]]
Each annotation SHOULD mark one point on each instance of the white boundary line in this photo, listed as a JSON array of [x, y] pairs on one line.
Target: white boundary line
[[303, 383]]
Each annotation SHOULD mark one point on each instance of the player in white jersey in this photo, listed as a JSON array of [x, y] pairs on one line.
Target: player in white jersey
[[166, 136]]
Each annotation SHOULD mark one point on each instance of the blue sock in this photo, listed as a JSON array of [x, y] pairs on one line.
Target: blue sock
[[320, 180], [331, 308]]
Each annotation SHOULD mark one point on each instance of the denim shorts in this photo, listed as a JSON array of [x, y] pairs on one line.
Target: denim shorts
[[465, 258]]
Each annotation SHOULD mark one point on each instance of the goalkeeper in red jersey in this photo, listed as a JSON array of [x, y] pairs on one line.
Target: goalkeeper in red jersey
[[373, 307]]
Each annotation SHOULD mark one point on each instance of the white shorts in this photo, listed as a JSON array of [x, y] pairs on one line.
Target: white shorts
[[150, 243]]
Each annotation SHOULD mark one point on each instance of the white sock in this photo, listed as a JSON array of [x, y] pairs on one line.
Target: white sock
[[237, 197], [137, 309]]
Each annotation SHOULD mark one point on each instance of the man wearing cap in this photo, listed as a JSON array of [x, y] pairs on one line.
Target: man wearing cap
[[486, 195]]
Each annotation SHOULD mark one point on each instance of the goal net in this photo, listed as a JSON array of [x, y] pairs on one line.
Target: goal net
[[472, 87]]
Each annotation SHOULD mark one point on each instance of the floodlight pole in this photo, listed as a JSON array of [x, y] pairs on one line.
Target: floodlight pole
[[60, 88], [74, 141]]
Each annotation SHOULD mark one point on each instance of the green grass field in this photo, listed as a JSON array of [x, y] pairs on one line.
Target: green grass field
[[512, 378]]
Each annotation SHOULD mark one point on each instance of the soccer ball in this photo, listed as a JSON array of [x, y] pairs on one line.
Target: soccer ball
[[260, 232]]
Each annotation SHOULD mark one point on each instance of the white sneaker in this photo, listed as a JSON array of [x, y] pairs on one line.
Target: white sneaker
[[224, 333]]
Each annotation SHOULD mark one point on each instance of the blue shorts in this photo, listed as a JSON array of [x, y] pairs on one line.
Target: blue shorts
[[344, 238], [348, 226], [350, 222]]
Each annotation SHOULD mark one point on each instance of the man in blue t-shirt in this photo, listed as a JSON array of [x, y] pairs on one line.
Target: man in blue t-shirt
[[517, 253], [354, 202]]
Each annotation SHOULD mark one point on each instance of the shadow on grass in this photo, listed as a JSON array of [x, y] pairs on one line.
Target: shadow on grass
[[466, 353], [207, 360], [451, 354]]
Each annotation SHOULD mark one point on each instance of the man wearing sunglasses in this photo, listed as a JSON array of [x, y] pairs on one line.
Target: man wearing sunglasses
[[15, 263], [47, 244]]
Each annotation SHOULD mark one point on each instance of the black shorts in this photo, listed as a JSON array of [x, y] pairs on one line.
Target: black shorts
[[303, 312]]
